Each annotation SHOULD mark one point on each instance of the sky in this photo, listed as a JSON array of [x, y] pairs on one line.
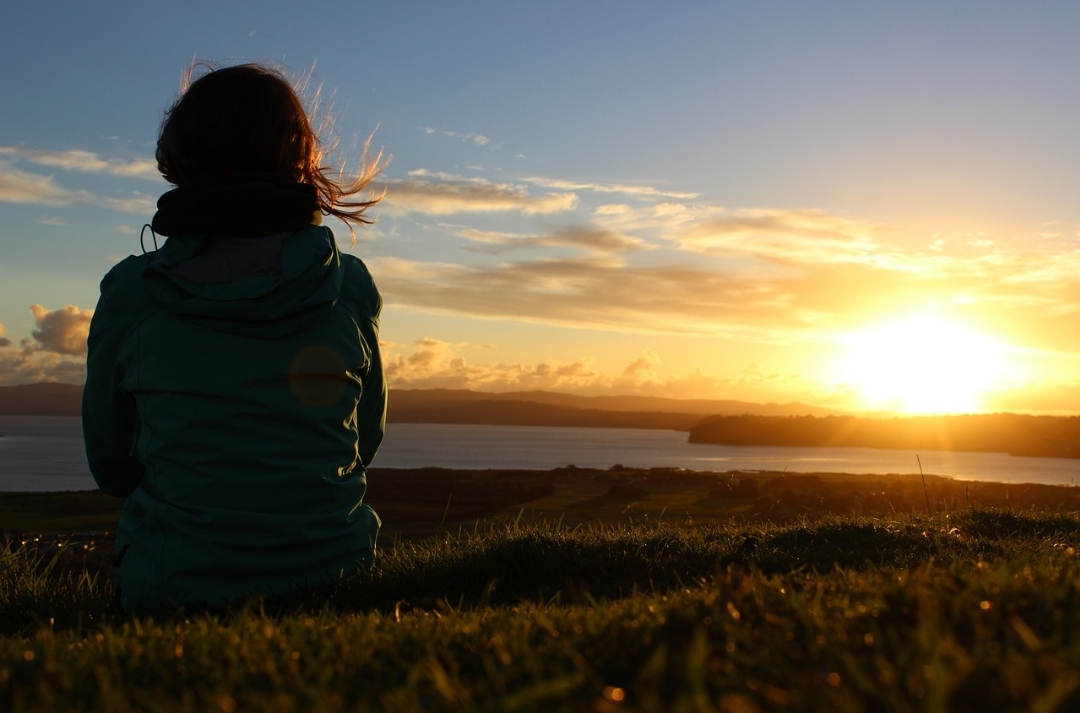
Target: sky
[[865, 206]]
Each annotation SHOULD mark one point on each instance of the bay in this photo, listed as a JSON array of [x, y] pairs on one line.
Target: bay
[[45, 453]]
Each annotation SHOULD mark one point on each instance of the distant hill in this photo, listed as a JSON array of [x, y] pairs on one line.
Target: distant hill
[[43, 399], [1019, 435], [405, 401], [546, 408], [530, 413], [523, 408]]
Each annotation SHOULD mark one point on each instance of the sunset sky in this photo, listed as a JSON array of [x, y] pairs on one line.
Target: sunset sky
[[867, 206]]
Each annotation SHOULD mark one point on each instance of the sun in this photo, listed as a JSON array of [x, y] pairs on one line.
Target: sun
[[922, 364]]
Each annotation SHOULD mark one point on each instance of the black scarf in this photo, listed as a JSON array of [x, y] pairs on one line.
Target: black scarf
[[240, 205]]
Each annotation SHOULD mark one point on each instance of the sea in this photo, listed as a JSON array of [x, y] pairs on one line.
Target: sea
[[45, 453]]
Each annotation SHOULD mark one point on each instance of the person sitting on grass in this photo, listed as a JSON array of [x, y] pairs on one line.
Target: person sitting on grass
[[234, 390]]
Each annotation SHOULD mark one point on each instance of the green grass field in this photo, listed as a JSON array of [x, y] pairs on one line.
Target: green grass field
[[965, 608]]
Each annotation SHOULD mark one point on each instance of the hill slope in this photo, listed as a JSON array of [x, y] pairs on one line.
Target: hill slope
[[406, 400], [523, 408]]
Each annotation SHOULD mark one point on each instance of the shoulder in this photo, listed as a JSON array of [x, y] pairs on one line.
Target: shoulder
[[358, 286], [126, 273], [123, 296], [357, 273]]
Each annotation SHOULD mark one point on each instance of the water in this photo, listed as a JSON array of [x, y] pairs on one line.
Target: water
[[45, 453]]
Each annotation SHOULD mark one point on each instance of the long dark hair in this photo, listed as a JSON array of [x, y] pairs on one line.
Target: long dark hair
[[249, 119]]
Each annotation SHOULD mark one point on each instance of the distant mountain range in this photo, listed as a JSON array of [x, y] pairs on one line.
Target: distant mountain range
[[521, 408]]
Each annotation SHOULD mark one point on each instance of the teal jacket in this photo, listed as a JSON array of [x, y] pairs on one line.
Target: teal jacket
[[236, 415]]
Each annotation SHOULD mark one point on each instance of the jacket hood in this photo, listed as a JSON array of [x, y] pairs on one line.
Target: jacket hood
[[299, 288]]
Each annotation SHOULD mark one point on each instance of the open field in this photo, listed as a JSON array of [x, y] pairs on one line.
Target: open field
[[428, 501], [604, 591]]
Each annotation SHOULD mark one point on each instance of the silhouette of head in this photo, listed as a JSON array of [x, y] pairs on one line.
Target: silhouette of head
[[242, 119]]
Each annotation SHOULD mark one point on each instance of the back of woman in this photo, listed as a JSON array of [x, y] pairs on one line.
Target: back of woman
[[234, 389]]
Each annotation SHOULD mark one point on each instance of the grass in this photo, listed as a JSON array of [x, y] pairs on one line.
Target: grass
[[972, 610], [425, 502]]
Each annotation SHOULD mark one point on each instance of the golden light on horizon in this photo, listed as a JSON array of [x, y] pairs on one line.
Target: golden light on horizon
[[923, 364]]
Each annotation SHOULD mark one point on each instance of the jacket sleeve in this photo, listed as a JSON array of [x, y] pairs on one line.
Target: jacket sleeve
[[109, 415], [371, 410]]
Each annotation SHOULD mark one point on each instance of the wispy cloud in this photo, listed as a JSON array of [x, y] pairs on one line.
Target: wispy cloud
[[594, 291], [775, 276], [639, 191], [21, 187], [18, 186], [803, 236], [468, 136], [84, 161], [445, 194], [596, 240], [768, 277]]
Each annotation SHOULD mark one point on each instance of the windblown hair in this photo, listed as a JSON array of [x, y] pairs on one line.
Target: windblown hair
[[249, 119]]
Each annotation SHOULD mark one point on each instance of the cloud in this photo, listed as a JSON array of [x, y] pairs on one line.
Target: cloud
[[17, 186], [665, 221], [627, 189], [593, 291], [781, 237], [62, 331], [85, 161], [20, 369], [56, 353], [434, 363], [598, 240], [468, 137], [810, 296], [803, 236], [444, 194], [21, 187], [643, 367]]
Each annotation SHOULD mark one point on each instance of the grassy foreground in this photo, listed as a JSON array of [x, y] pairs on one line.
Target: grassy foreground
[[974, 610]]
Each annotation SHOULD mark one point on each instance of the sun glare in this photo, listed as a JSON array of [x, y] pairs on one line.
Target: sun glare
[[922, 364]]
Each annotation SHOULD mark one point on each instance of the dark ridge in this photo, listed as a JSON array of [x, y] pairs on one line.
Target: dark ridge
[[407, 399], [41, 399], [525, 413], [525, 408], [1015, 434]]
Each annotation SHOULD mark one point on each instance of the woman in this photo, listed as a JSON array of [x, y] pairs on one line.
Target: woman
[[234, 389]]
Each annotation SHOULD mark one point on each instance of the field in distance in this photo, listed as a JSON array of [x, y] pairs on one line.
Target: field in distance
[[418, 503]]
